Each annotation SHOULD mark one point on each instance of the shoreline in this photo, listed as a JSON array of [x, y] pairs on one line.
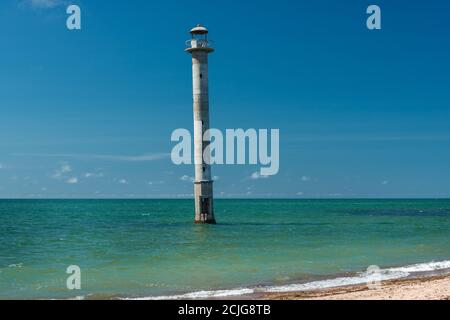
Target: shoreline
[[429, 280], [427, 286], [431, 287]]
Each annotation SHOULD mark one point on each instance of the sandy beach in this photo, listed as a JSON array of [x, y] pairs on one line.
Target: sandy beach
[[425, 288]]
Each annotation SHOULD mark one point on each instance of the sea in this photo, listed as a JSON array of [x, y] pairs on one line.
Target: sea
[[151, 249]]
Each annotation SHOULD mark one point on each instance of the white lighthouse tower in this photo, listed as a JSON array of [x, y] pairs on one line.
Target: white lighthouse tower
[[199, 48]]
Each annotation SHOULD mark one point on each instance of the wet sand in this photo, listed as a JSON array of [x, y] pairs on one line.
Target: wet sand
[[424, 288]]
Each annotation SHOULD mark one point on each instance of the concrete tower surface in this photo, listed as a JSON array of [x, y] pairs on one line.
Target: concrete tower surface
[[199, 48]]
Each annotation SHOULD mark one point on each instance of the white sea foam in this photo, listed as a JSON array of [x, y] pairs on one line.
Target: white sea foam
[[423, 267], [202, 294], [337, 282], [359, 278], [16, 265], [363, 277], [78, 298]]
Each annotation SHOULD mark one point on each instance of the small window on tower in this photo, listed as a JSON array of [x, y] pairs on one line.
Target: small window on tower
[[201, 75]]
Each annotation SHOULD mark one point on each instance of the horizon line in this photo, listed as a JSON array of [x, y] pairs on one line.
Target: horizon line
[[240, 198]]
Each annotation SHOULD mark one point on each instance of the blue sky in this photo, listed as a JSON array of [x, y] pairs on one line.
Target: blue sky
[[89, 114]]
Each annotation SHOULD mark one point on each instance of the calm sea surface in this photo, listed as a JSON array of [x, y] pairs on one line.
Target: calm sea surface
[[141, 248]]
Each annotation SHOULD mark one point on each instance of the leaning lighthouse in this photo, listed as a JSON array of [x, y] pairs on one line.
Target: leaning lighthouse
[[199, 48]]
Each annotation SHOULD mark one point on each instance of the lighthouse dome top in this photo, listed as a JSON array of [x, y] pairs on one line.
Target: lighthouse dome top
[[199, 29], [199, 41]]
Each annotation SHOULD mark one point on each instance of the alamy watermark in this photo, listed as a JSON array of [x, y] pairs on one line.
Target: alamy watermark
[[374, 20], [374, 277], [236, 146], [73, 22], [73, 282]]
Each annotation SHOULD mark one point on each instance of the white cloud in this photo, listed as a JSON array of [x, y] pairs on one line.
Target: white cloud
[[73, 180], [123, 181], [384, 182], [5, 166], [88, 175], [44, 3], [150, 183], [66, 168], [145, 157], [107, 157], [61, 172], [299, 193], [215, 178], [187, 178], [305, 178], [256, 175]]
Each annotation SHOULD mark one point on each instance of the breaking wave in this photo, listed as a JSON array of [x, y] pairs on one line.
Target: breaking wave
[[359, 278]]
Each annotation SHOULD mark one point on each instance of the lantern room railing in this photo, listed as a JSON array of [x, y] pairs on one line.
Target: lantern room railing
[[198, 43]]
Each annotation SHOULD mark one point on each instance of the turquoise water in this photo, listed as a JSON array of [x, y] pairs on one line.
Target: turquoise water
[[135, 248]]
